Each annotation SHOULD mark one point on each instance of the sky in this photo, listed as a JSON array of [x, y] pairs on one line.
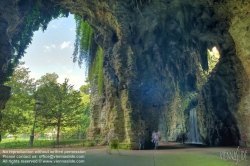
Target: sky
[[51, 51]]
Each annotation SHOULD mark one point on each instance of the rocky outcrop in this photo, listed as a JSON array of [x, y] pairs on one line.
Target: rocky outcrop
[[240, 31], [223, 107], [4, 96], [5, 54], [156, 68]]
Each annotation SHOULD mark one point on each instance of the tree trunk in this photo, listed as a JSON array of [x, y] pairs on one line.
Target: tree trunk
[[58, 130]]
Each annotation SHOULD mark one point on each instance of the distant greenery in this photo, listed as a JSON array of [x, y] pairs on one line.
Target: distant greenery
[[36, 18], [23, 143], [85, 116], [213, 57], [91, 143], [114, 144], [16, 115], [60, 103], [12, 144], [61, 107]]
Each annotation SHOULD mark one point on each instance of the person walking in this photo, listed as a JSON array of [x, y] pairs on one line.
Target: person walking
[[110, 138], [140, 139], [155, 139], [159, 137], [112, 142]]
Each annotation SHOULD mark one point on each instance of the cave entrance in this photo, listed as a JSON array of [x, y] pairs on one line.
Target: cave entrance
[[51, 52]]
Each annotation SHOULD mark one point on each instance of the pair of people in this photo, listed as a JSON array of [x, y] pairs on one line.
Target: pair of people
[[156, 136]]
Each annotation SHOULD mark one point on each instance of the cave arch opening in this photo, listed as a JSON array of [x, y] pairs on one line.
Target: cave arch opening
[[51, 52], [213, 57]]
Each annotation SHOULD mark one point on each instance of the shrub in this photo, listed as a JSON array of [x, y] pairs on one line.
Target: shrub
[[91, 143], [114, 144]]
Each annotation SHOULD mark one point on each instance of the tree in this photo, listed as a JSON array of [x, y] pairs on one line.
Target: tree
[[47, 79], [85, 96], [17, 110], [85, 89], [60, 103]]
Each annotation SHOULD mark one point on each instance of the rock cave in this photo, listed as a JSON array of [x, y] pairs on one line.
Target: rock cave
[[157, 65]]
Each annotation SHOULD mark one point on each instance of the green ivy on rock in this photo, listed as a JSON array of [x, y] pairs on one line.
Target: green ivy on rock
[[83, 41], [95, 70], [37, 17], [87, 51]]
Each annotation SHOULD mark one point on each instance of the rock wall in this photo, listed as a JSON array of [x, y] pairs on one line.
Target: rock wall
[[4, 96], [223, 107], [240, 31], [156, 66]]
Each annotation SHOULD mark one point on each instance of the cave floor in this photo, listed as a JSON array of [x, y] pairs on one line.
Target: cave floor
[[172, 154]]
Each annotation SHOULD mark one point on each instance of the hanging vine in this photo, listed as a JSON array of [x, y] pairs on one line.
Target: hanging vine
[[95, 70], [83, 41], [86, 50], [38, 17]]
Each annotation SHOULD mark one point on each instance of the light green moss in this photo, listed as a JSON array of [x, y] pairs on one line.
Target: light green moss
[[95, 70]]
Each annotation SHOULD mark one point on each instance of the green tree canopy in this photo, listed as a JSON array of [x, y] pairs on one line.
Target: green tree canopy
[[17, 110], [60, 103], [85, 89]]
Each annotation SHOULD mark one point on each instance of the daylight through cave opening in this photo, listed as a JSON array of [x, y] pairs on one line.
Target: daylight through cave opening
[[51, 52]]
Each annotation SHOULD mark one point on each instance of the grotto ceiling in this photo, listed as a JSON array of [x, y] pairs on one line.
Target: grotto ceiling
[[157, 67]]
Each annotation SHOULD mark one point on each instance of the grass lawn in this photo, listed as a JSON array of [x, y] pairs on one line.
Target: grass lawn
[[24, 143]]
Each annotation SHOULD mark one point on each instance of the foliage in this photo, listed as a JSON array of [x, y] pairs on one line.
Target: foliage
[[61, 107], [60, 104], [22, 143], [36, 18], [84, 52], [85, 98], [125, 146], [114, 144], [99, 63], [85, 119], [16, 117], [47, 79], [85, 89], [83, 41], [96, 69], [213, 57], [91, 143]]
